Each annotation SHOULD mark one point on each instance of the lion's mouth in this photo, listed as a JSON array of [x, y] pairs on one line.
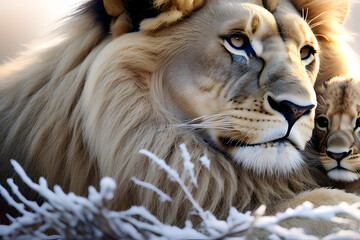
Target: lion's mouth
[[341, 169], [279, 156], [342, 174], [233, 143]]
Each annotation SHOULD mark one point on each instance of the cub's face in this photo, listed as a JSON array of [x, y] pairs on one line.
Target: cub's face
[[338, 128], [242, 77]]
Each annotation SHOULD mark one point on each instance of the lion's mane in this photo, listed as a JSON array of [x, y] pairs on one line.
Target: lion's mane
[[49, 125]]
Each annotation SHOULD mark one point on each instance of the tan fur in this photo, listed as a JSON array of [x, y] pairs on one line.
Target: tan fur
[[339, 103], [114, 7], [320, 197], [83, 109]]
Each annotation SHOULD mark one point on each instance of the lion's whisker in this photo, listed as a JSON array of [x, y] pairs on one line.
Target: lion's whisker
[[322, 35], [316, 24], [206, 117], [307, 14], [304, 14], [316, 17]]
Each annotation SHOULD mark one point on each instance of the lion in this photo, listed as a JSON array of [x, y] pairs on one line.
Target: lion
[[336, 136], [233, 80]]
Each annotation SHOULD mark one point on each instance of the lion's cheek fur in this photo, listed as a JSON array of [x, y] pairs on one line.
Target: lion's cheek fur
[[113, 91]]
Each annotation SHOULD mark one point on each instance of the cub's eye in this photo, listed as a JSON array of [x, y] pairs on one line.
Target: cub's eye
[[357, 124], [307, 55], [322, 123], [239, 45]]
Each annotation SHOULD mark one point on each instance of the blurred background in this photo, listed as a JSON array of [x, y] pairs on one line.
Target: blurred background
[[22, 21]]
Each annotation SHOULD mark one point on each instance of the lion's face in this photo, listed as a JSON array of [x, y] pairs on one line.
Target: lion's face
[[242, 76], [338, 128]]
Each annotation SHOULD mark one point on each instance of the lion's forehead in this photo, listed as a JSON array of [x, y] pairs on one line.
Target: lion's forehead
[[255, 18], [341, 121], [273, 35]]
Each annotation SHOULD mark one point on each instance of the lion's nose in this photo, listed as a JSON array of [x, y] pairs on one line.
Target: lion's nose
[[291, 111], [338, 156]]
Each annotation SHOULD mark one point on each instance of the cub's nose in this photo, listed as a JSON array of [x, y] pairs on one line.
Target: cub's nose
[[338, 156], [291, 111]]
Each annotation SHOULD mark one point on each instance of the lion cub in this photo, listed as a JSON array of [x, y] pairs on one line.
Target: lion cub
[[336, 136]]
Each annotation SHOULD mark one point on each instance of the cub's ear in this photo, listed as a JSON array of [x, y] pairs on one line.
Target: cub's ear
[[320, 89]]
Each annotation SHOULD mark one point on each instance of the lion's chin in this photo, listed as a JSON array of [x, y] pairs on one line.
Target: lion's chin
[[342, 175], [278, 158]]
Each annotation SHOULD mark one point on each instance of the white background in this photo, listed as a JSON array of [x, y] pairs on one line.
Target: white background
[[21, 21]]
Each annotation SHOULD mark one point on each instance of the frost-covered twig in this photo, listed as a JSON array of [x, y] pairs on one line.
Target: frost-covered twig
[[76, 217], [163, 196], [205, 162], [238, 224], [69, 216], [188, 165]]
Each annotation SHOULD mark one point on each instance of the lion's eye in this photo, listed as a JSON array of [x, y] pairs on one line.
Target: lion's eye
[[237, 41], [322, 123], [307, 55], [239, 45]]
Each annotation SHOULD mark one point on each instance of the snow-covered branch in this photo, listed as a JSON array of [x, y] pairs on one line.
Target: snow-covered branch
[[68, 216]]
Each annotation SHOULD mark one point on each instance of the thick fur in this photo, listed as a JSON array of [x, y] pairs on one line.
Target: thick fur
[[327, 25], [83, 109]]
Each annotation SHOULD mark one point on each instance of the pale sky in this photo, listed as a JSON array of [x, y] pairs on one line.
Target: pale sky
[[21, 21]]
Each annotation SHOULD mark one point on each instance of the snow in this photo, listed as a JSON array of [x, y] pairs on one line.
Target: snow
[[343, 235], [188, 165], [205, 162], [70, 216], [163, 197]]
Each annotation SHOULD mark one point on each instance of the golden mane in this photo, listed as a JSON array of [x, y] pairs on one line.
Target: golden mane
[[336, 56], [49, 125]]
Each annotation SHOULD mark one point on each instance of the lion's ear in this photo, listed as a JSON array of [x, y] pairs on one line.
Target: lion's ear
[[121, 22], [128, 14], [114, 7], [344, 12], [341, 10], [170, 12], [156, 13]]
